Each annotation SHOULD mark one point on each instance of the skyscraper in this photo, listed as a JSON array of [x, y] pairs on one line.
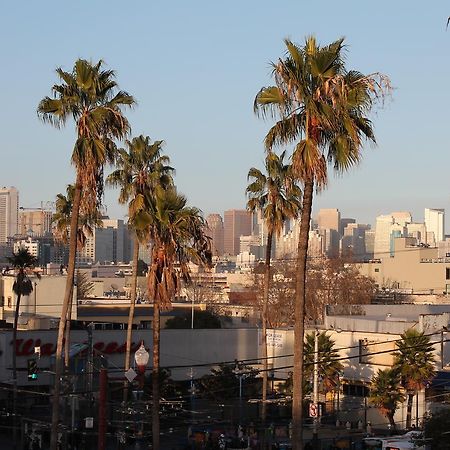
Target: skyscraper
[[237, 223], [215, 232], [387, 228], [435, 223], [9, 213], [329, 219], [111, 243], [36, 222]]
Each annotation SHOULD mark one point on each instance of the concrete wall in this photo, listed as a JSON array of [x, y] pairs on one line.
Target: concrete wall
[[45, 300], [178, 348], [407, 269]]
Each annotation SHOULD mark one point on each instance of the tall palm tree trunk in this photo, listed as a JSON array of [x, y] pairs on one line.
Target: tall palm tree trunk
[[264, 325], [409, 406], [155, 374], [299, 326], [65, 308], [131, 312], [392, 422], [14, 366], [67, 334]]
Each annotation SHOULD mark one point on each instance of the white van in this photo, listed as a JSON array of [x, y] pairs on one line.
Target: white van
[[391, 443]]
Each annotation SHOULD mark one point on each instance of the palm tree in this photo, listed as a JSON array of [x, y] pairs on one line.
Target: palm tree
[[140, 172], [178, 235], [322, 108], [328, 358], [278, 198], [63, 214], [89, 95], [86, 224], [415, 362], [22, 260], [386, 393]]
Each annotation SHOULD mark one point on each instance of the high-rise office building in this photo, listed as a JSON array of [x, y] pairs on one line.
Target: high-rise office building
[[9, 213], [215, 232], [435, 223], [329, 219], [36, 222], [344, 222], [109, 243], [353, 242], [387, 228], [237, 223]]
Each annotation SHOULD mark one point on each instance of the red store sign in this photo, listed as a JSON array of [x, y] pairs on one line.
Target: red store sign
[[25, 347]]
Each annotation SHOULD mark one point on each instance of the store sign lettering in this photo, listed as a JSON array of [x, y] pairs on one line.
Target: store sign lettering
[[25, 347]]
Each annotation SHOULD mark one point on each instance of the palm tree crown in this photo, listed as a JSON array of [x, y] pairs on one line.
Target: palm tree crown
[[385, 393], [275, 193], [140, 172], [328, 358], [321, 105], [90, 96], [414, 359], [22, 260], [178, 233], [61, 219]]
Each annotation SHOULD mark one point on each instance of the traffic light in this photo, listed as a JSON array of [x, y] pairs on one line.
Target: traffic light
[[32, 370]]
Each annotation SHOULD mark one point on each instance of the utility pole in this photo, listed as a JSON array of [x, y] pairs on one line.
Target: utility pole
[[102, 410], [316, 388], [90, 361]]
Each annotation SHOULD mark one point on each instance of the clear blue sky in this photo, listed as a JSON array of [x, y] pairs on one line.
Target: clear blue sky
[[195, 67]]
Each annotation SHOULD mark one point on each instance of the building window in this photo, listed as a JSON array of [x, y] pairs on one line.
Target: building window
[[377, 270], [9, 302], [355, 390], [447, 273]]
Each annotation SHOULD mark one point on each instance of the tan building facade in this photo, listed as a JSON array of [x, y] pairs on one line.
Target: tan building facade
[[411, 269]]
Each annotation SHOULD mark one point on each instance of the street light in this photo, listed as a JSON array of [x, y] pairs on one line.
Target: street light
[[240, 374], [141, 357]]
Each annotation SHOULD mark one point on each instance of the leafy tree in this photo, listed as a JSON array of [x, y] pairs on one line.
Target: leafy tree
[[223, 382], [437, 428], [178, 235], [89, 95], [276, 195], [21, 261], [414, 360], [386, 393], [141, 169], [329, 282], [202, 320], [322, 108]]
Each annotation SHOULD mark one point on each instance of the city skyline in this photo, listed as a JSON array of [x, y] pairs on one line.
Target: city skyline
[[418, 217], [224, 55]]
